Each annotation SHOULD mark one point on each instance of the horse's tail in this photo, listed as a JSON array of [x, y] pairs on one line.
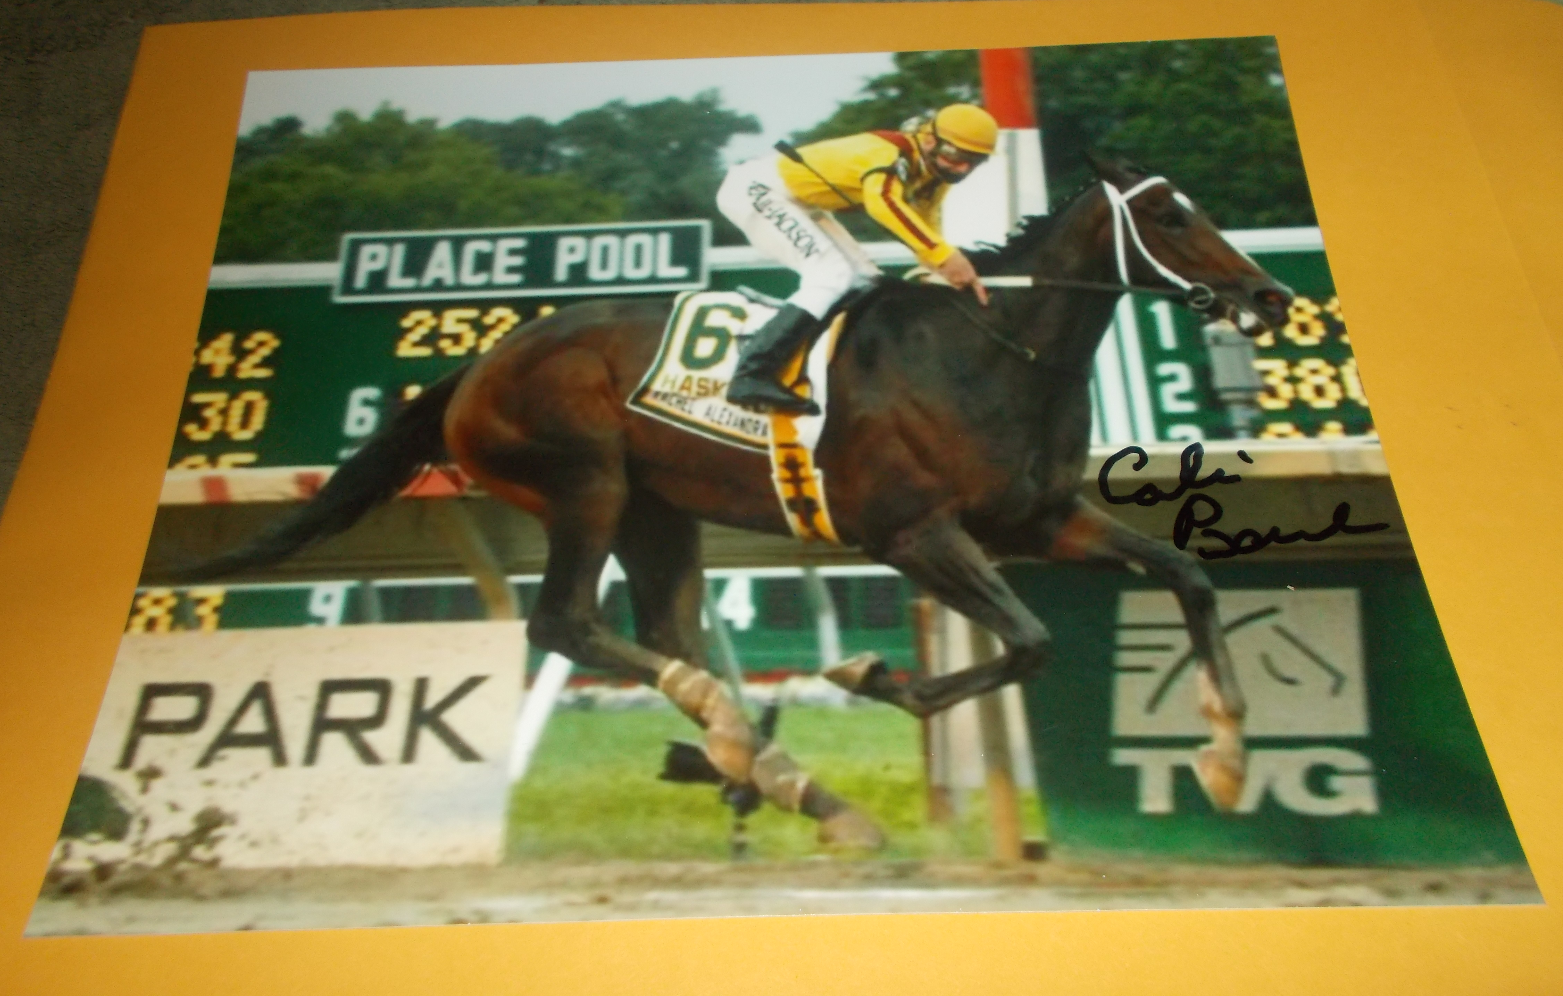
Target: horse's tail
[[382, 467]]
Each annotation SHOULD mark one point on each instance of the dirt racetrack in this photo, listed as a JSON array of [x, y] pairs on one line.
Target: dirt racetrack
[[213, 900]]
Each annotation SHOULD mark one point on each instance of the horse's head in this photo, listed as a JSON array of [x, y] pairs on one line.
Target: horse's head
[[1159, 237]]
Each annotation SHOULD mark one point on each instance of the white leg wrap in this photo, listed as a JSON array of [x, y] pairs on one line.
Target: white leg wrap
[[780, 779], [729, 738]]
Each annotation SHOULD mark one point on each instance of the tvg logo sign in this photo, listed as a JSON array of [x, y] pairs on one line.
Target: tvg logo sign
[[1298, 654], [1289, 775]]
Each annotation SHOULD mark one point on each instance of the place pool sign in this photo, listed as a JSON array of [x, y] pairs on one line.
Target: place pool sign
[[554, 260]]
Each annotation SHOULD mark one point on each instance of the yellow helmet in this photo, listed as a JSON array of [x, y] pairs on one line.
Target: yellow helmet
[[967, 126]]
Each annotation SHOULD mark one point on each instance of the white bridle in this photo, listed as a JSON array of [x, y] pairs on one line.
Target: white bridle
[[1123, 218]]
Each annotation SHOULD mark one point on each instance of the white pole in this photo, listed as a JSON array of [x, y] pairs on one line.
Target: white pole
[[826, 625], [537, 705]]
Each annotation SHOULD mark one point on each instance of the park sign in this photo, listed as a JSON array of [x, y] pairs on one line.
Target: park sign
[[310, 745], [552, 260]]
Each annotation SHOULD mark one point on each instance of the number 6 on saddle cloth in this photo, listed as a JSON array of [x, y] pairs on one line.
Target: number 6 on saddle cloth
[[686, 386]]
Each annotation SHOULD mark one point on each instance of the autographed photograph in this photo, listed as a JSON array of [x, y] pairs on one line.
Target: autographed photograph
[[898, 482]]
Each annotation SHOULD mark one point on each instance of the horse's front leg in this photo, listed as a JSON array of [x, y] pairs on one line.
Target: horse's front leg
[[1091, 535], [941, 557]]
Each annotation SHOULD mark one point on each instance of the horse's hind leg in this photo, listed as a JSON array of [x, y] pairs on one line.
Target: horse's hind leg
[[943, 559], [584, 507], [659, 548], [1091, 535]]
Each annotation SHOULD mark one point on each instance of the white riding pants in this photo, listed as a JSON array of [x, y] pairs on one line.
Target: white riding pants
[[805, 239]]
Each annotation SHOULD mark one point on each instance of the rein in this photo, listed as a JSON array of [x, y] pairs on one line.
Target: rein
[[1198, 296]]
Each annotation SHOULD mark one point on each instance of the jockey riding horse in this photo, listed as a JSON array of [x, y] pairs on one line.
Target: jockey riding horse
[[783, 204]]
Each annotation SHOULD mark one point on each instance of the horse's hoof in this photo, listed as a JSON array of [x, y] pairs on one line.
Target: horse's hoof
[[1221, 776], [856, 671], [851, 829]]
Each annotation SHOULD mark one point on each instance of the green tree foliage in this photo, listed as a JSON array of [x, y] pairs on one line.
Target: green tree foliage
[[1210, 114], [267, 140], [293, 195], [662, 159], [525, 145]]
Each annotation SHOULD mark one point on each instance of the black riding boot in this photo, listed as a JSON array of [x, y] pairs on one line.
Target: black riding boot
[[756, 384]]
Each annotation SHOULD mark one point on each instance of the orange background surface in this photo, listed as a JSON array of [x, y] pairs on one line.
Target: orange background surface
[[1432, 132]]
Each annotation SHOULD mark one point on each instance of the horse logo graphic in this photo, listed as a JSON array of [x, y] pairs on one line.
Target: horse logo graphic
[[1298, 656]]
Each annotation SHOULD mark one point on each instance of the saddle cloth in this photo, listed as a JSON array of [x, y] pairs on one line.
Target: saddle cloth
[[686, 386]]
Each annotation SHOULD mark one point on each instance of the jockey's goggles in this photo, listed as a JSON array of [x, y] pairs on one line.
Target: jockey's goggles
[[954, 155]]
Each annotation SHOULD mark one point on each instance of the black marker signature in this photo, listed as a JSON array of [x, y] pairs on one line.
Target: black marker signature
[[1188, 476], [1251, 540], [1189, 517]]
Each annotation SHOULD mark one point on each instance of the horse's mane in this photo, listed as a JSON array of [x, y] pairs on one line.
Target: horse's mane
[[990, 260], [1026, 236]]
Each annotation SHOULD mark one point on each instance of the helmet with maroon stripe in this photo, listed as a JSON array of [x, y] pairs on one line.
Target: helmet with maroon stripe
[[958, 139], [967, 127]]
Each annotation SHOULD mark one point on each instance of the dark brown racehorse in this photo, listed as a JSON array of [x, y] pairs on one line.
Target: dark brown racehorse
[[955, 435]]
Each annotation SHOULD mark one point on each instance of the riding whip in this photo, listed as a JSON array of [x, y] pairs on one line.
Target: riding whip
[[787, 149]]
